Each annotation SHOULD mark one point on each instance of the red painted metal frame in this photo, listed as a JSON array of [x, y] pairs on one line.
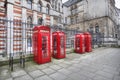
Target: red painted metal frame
[[88, 42], [41, 48], [79, 43], [58, 45]]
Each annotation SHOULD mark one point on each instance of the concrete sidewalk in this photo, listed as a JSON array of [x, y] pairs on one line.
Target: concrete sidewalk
[[101, 64]]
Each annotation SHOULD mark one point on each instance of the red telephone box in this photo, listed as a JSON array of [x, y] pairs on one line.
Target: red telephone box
[[41, 44], [58, 44], [88, 45], [79, 43]]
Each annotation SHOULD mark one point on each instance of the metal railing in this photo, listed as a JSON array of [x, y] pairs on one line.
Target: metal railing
[[16, 39]]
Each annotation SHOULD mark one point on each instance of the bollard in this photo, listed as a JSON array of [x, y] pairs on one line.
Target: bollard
[[23, 61], [20, 59], [11, 62]]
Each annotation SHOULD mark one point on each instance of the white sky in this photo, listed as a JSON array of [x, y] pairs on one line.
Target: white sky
[[117, 3]]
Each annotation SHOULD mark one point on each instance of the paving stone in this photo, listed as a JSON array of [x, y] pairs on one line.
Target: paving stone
[[4, 74], [86, 73], [68, 79], [67, 62], [9, 79], [116, 78], [56, 61], [63, 65], [25, 77], [36, 73], [105, 74], [31, 68], [73, 69], [58, 76], [109, 67], [74, 61], [76, 76], [18, 73], [55, 67], [48, 71], [114, 72], [99, 77], [44, 78], [89, 69], [42, 66], [78, 66], [65, 71]]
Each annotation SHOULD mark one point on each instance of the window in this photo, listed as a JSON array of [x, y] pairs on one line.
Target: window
[[77, 20], [66, 20], [29, 2], [39, 6], [74, 9], [29, 22], [59, 19], [96, 29], [59, 7], [91, 30], [40, 20], [72, 20], [55, 5], [48, 9], [29, 42]]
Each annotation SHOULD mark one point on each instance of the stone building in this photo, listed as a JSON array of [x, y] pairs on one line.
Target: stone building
[[18, 17], [95, 16], [118, 29]]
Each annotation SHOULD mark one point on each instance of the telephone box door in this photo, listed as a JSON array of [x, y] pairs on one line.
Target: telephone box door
[[58, 45], [55, 44], [45, 47], [79, 43]]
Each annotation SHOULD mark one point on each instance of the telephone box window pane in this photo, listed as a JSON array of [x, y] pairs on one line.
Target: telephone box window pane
[[78, 42], [55, 43], [44, 46], [62, 44]]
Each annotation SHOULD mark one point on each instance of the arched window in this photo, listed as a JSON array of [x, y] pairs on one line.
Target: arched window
[[29, 3], [48, 9], [39, 6], [29, 22], [96, 29], [40, 20], [91, 29], [29, 42], [55, 5]]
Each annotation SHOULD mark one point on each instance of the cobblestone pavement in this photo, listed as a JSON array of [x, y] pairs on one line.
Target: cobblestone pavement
[[101, 64]]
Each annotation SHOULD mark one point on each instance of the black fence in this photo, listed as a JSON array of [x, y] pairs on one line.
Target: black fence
[[15, 37]]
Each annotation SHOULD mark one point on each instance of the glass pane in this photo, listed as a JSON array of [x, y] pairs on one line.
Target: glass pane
[[44, 46]]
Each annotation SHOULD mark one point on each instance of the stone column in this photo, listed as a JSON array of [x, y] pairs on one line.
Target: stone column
[[24, 26], [35, 20], [44, 19], [10, 15], [51, 20]]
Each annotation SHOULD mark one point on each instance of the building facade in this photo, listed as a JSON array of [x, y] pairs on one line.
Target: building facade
[[118, 29], [18, 17], [95, 16]]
